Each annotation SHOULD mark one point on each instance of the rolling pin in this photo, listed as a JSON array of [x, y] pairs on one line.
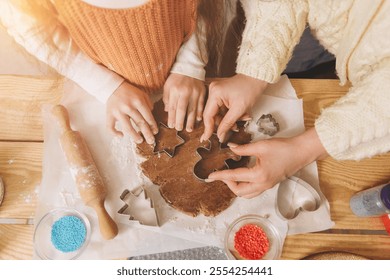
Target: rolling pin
[[84, 171]]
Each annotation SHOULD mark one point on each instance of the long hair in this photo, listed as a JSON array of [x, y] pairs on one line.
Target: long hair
[[212, 21]]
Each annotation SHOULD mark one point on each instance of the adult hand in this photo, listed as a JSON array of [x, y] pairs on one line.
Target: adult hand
[[183, 96], [276, 159], [130, 103], [238, 94]]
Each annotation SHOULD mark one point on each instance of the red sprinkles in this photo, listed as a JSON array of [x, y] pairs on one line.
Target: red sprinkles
[[251, 242]]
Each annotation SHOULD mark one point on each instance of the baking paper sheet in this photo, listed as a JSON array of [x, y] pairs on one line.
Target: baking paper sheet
[[119, 166]]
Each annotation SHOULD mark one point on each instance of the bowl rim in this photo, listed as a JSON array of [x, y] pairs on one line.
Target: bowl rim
[[265, 222], [64, 211]]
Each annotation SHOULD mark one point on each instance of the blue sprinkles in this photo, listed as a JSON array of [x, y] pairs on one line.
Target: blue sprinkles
[[68, 234]]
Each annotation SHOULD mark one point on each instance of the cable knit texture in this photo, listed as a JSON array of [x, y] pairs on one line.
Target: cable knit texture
[[272, 46], [357, 32], [143, 40]]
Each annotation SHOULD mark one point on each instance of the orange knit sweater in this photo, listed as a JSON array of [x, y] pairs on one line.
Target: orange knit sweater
[[139, 43]]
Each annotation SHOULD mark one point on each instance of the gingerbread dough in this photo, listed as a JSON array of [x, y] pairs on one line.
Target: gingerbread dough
[[178, 185]]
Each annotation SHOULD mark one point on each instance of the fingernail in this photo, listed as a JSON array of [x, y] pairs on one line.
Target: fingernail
[[199, 119], [202, 139], [155, 131], [235, 129], [222, 138], [232, 145], [150, 141], [179, 128], [171, 125], [139, 141], [209, 180], [189, 129], [246, 119]]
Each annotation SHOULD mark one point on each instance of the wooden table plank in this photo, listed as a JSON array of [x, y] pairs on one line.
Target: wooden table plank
[[20, 107], [21, 166], [16, 242], [370, 246], [339, 180], [21, 170]]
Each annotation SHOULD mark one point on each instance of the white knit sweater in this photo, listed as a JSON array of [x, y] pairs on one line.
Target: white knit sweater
[[358, 34]]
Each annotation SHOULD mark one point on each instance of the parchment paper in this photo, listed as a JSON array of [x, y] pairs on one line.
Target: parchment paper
[[118, 164]]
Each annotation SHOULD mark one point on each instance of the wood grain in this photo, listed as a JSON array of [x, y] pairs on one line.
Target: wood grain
[[21, 170], [21, 150], [370, 246], [339, 180], [22, 98], [16, 242]]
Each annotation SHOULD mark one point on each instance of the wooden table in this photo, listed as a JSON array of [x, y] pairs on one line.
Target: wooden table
[[21, 148]]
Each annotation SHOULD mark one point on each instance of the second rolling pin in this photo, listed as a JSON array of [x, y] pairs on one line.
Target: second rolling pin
[[84, 171]]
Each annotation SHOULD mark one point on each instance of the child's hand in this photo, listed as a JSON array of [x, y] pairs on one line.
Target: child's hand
[[130, 103], [237, 94], [183, 96], [276, 159]]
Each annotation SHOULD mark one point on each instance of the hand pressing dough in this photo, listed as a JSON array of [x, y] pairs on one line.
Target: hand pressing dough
[[175, 175]]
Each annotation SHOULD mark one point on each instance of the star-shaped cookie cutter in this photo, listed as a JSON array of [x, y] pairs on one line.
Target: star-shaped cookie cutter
[[201, 170], [267, 125], [140, 209], [169, 151]]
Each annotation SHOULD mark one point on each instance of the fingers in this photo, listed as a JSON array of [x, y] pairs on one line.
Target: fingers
[[242, 174], [144, 125], [172, 111], [146, 115], [210, 111], [181, 111], [191, 115], [228, 122], [244, 189], [246, 149], [128, 128], [199, 108], [111, 121]]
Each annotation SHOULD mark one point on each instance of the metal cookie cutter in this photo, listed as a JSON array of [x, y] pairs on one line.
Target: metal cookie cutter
[[164, 135], [213, 157], [267, 125], [139, 207], [295, 196]]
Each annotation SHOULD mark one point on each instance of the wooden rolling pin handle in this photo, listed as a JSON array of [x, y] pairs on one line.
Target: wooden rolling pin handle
[[108, 228], [62, 118], [87, 177]]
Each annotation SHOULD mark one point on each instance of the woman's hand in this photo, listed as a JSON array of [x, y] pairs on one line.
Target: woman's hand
[[238, 94], [183, 96], [276, 159], [130, 103]]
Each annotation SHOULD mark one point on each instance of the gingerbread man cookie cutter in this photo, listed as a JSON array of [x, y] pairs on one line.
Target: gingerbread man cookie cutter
[[267, 125], [170, 151], [213, 151]]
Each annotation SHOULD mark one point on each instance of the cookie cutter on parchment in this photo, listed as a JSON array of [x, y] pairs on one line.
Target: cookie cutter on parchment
[[296, 196], [267, 125], [139, 207], [169, 151]]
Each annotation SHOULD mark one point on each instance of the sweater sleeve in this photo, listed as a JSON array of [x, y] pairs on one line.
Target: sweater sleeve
[[189, 60], [272, 30], [50, 42], [358, 125]]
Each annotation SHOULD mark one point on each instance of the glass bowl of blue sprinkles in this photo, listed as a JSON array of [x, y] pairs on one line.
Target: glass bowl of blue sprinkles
[[61, 234]]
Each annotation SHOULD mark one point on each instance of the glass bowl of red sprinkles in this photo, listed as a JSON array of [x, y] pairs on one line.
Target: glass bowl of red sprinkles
[[252, 237]]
